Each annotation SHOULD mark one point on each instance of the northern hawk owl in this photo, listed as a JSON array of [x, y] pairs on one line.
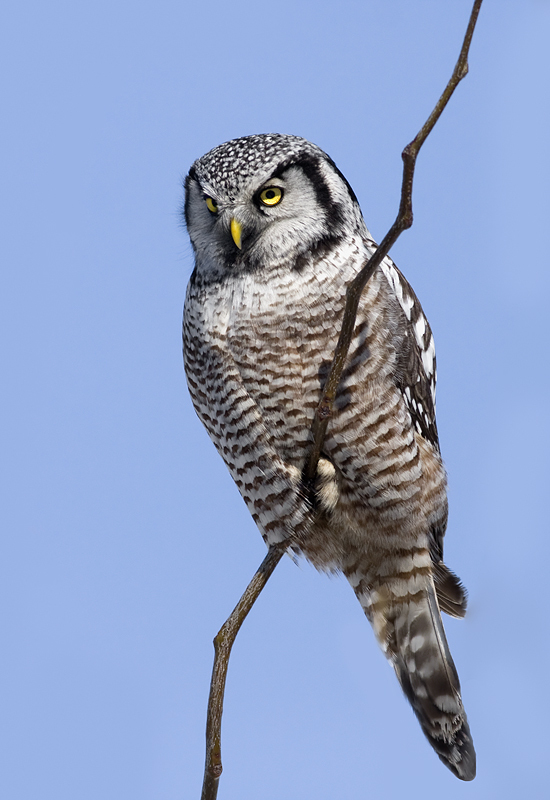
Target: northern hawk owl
[[278, 235]]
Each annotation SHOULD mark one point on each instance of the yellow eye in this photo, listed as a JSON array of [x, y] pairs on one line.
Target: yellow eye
[[211, 205], [271, 196]]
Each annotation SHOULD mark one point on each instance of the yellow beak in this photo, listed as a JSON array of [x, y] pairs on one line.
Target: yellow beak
[[236, 232]]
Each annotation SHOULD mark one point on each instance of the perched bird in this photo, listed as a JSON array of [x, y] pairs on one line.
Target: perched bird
[[278, 235]]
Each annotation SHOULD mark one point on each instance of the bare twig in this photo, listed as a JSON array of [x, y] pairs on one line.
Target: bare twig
[[403, 221], [223, 643], [225, 638]]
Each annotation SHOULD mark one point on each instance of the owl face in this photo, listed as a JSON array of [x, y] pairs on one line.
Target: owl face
[[264, 202]]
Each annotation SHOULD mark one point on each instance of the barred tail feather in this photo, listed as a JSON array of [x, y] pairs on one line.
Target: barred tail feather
[[411, 634], [451, 594]]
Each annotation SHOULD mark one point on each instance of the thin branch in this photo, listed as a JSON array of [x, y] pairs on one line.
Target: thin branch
[[403, 221], [223, 643], [225, 638]]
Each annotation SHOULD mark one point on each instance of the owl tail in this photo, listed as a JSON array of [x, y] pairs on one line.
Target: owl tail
[[412, 637]]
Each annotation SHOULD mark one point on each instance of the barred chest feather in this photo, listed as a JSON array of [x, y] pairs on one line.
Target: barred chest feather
[[280, 334]]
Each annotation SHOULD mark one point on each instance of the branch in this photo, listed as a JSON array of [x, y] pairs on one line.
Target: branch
[[225, 638], [223, 643], [403, 221]]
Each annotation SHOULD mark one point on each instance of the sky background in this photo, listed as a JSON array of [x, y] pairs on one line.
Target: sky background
[[124, 543]]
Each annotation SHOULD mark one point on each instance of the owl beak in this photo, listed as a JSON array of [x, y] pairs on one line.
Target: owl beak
[[236, 232]]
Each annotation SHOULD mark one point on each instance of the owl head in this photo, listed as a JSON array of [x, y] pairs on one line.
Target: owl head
[[266, 202]]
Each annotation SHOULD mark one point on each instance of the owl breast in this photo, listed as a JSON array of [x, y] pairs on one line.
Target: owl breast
[[281, 336], [279, 332]]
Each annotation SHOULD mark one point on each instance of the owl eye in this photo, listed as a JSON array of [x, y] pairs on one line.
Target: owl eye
[[271, 195], [211, 205]]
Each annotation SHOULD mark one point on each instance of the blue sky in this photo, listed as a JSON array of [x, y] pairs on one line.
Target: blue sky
[[125, 544]]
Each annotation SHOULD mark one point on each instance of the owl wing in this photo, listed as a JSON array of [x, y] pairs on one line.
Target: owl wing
[[415, 374]]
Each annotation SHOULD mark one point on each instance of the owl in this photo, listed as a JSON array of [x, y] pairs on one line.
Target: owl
[[278, 235]]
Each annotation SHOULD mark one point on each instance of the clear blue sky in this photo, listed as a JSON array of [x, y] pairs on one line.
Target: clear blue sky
[[124, 542]]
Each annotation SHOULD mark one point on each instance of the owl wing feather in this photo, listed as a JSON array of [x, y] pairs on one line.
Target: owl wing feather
[[415, 376]]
